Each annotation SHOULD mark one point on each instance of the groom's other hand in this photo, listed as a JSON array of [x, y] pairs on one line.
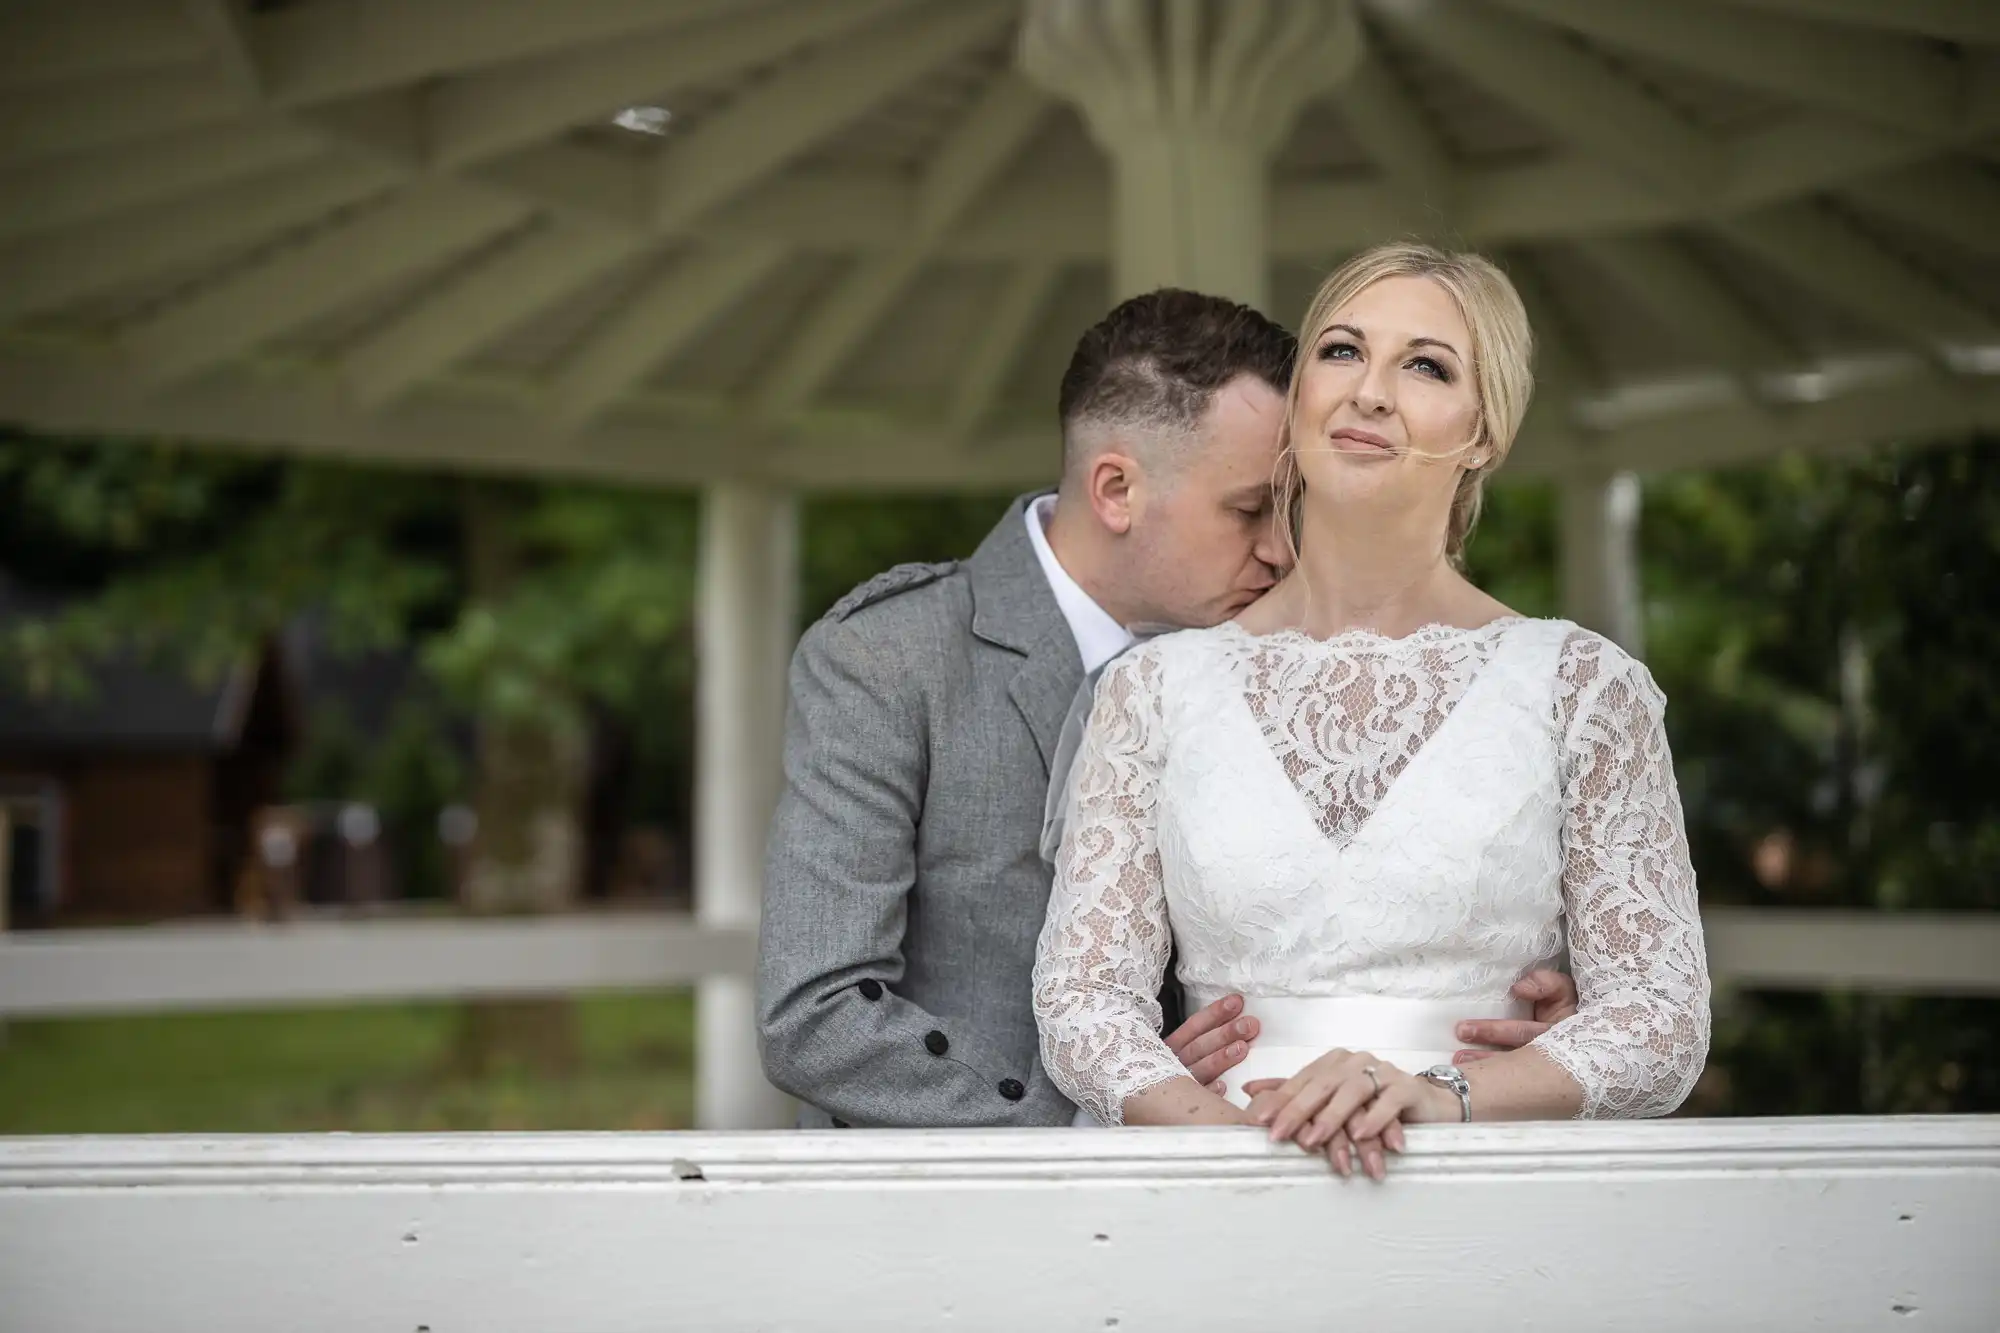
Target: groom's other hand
[[1554, 996], [1214, 1041]]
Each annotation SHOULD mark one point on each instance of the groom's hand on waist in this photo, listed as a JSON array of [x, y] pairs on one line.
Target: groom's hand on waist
[[1214, 1040], [1554, 996]]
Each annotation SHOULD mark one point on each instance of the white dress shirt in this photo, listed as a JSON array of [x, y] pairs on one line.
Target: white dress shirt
[[1099, 638]]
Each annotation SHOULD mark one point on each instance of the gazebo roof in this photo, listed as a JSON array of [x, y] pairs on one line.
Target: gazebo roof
[[864, 243]]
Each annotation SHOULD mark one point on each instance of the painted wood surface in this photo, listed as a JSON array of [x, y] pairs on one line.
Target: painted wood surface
[[1778, 1224], [235, 965]]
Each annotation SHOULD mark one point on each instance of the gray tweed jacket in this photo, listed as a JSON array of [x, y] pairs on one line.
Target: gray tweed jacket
[[904, 890]]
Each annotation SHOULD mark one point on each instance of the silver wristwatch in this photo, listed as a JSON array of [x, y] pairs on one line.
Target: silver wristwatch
[[1452, 1077]]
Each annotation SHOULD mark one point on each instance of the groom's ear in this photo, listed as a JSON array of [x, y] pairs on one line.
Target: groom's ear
[[1113, 484]]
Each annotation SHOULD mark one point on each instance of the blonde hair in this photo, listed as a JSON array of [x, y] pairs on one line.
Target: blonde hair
[[1502, 372]]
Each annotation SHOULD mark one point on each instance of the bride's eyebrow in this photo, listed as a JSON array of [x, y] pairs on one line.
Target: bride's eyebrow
[[1419, 341]]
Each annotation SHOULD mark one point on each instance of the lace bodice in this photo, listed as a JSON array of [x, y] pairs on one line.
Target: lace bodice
[[1419, 818]]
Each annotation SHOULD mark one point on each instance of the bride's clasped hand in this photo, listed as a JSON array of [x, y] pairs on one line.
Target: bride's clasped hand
[[1351, 1105]]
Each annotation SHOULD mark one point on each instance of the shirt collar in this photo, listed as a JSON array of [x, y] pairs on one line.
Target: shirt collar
[[1099, 638]]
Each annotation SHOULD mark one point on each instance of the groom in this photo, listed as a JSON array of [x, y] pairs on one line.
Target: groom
[[904, 891]]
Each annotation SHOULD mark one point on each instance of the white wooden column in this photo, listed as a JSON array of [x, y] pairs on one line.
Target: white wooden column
[[1598, 547], [1189, 98], [746, 619]]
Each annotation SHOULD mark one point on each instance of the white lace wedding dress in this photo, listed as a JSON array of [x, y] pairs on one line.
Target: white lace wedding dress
[[1370, 839]]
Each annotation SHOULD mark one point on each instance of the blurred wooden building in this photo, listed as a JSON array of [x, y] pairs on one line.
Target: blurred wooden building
[[135, 799]]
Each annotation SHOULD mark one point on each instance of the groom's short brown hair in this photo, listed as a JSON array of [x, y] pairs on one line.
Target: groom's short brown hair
[[1152, 365]]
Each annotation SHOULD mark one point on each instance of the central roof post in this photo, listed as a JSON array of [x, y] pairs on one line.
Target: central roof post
[[1190, 98]]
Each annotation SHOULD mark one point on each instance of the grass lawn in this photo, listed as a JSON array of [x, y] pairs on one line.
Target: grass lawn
[[369, 1068]]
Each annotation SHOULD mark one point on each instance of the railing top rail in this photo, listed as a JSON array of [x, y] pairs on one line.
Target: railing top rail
[[1900, 1143]]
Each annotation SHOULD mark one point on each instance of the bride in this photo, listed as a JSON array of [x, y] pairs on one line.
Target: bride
[[1378, 797]]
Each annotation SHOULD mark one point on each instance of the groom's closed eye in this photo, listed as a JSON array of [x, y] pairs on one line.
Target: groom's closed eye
[[1251, 504]]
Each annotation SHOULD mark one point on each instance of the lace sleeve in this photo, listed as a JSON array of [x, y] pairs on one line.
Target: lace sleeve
[[1640, 1035], [1105, 943]]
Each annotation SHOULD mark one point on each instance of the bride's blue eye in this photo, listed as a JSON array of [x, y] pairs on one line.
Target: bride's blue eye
[[1339, 352], [1435, 369]]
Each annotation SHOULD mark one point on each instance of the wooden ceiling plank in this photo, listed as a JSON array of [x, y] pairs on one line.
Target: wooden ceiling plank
[[85, 187], [1953, 200], [1952, 20], [979, 148], [1386, 119], [485, 114], [423, 225], [48, 42], [1575, 98], [343, 48], [1873, 77], [670, 311], [1003, 335], [1671, 283], [818, 96], [48, 271], [1821, 252], [531, 274]]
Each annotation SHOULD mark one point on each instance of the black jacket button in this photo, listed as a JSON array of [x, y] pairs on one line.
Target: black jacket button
[[1011, 1089], [936, 1042], [871, 989], [838, 1123]]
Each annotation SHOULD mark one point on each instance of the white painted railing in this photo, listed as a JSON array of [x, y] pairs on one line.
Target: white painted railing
[[1782, 1224], [234, 965], [239, 965]]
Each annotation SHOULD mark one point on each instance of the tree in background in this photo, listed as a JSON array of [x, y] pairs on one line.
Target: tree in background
[[1827, 634]]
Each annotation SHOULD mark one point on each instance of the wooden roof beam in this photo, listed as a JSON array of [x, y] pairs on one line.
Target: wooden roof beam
[[48, 271], [817, 96], [984, 144], [46, 42], [86, 115], [86, 187], [1671, 283], [673, 442], [1003, 333], [1952, 200], [485, 114], [225, 26], [342, 48], [1874, 77], [424, 225], [532, 273], [667, 314], [1953, 20], [1574, 97], [1821, 252], [1846, 424], [1395, 131]]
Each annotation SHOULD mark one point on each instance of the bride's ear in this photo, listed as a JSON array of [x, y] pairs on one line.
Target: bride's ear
[[1112, 484]]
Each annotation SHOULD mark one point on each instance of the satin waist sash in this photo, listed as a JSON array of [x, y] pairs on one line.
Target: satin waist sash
[[1409, 1034]]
